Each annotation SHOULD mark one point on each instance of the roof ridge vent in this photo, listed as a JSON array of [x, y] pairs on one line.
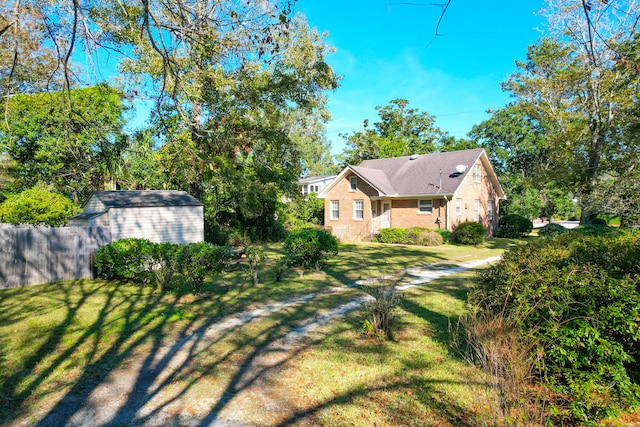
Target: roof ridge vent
[[414, 156]]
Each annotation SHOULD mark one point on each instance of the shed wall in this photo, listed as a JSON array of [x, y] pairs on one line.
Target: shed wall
[[175, 224]]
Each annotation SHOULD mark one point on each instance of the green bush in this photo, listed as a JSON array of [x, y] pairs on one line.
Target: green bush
[[578, 296], [514, 226], [197, 260], [551, 230], [392, 235], [38, 205], [409, 236], [469, 233], [446, 235], [164, 263], [310, 247], [125, 259]]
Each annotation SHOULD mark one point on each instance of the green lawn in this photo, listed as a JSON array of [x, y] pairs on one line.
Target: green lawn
[[61, 340]]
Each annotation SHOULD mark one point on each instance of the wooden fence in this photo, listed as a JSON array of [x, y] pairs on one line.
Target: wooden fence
[[30, 256]]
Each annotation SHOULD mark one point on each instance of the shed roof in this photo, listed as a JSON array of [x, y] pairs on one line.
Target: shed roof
[[145, 198]]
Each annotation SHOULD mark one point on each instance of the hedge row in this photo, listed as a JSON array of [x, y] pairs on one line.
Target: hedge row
[[411, 236], [141, 261]]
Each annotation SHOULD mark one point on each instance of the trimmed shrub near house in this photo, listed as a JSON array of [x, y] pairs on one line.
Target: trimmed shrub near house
[[469, 233], [310, 247], [578, 297], [410, 236], [551, 230], [514, 226]]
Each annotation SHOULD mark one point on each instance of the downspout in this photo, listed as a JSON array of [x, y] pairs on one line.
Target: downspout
[[446, 214]]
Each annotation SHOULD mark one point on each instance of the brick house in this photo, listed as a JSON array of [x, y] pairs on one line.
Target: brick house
[[436, 191]]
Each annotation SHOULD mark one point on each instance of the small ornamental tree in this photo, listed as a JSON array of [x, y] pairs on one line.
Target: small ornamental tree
[[310, 247], [38, 206]]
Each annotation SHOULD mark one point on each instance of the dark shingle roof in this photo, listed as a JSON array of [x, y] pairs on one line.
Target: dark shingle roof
[[421, 175], [145, 198]]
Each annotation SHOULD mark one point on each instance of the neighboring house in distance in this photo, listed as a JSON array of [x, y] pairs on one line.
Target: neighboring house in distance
[[436, 191], [314, 184], [158, 216]]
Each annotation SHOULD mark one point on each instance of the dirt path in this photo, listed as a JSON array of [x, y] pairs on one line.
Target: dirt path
[[166, 386]]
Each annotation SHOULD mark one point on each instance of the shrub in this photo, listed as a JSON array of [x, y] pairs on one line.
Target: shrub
[[578, 296], [410, 236], [551, 230], [446, 235], [37, 206], [469, 233], [310, 247], [598, 221], [125, 259], [514, 226], [164, 263], [197, 260], [392, 235]]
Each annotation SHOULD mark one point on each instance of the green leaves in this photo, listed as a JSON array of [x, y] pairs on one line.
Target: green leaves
[[578, 295], [38, 206]]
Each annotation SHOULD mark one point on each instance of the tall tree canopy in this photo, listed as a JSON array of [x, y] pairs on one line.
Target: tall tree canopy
[[227, 78], [571, 82], [51, 143], [401, 131]]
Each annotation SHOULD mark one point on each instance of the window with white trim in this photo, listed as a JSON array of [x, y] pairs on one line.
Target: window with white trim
[[458, 206], [305, 190], [490, 210], [358, 209], [476, 210], [425, 206], [335, 209], [476, 173], [353, 183], [374, 209]]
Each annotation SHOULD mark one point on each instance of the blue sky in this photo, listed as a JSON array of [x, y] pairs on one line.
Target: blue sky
[[383, 52]]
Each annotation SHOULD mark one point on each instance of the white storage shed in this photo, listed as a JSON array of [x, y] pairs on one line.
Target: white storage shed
[[158, 216]]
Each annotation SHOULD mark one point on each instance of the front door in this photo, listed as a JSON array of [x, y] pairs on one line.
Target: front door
[[385, 219]]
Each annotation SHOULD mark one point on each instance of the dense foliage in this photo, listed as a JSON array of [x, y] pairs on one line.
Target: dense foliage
[[469, 233], [310, 247], [140, 261], [410, 236], [551, 230], [578, 296], [38, 206], [514, 226]]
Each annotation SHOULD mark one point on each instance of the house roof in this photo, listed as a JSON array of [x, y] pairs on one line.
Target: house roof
[[421, 175], [145, 198]]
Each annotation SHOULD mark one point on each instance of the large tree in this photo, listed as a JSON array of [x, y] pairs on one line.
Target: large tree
[[570, 79], [72, 149], [401, 131]]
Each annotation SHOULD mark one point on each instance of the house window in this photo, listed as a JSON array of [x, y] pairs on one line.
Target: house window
[[305, 190], [353, 183], [335, 209], [458, 206], [490, 210], [358, 209], [374, 210], [476, 173], [425, 206], [476, 210]]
